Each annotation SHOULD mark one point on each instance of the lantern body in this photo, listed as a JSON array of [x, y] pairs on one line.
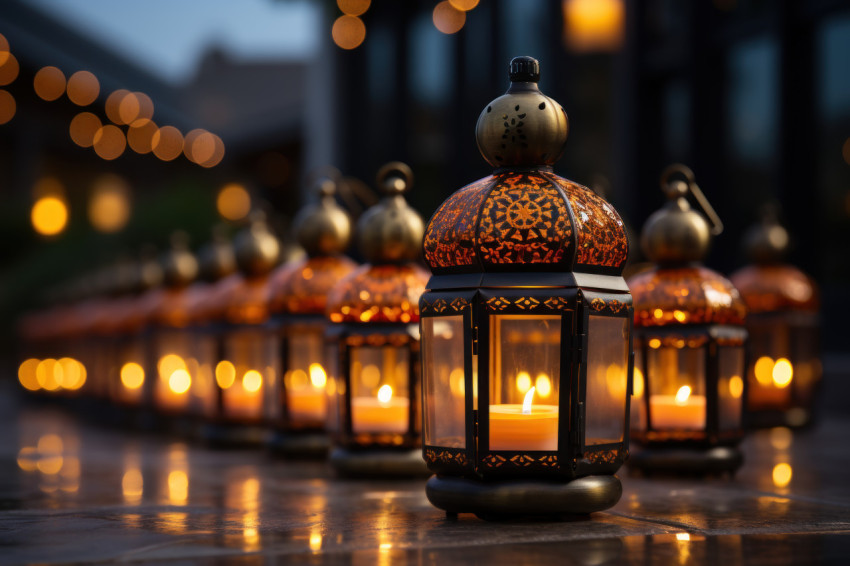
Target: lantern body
[[526, 293], [376, 338], [176, 367], [783, 368], [689, 359], [298, 293]]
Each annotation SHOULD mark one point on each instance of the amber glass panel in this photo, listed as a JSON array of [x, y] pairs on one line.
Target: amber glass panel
[[607, 379], [174, 370], [676, 387], [203, 389], [335, 387], [638, 408], [444, 380], [380, 389], [249, 392], [730, 387], [805, 355], [306, 377], [525, 352], [770, 373]]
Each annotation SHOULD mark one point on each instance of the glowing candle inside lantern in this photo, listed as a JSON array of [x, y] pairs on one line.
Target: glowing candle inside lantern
[[524, 427], [679, 411], [244, 398], [384, 413], [307, 402]]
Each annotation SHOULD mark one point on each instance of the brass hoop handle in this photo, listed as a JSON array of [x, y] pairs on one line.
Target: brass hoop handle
[[672, 188], [397, 169]]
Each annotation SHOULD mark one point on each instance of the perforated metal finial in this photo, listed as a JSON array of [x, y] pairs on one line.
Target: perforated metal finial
[[525, 69], [257, 249]]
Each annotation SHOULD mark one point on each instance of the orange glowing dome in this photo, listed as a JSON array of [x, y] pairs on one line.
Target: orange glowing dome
[[379, 293]]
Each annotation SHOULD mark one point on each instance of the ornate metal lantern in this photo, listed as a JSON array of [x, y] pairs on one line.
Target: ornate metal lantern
[[172, 342], [298, 301], [247, 374], [526, 326], [689, 343], [375, 333], [783, 369]]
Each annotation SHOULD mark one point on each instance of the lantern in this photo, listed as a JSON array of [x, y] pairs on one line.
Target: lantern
[[783, 369], [375, 334], [298, 300], [247, 373], [526, 327], [689, 343]]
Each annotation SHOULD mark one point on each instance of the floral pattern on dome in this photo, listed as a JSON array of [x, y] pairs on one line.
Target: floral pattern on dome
[[524, 220], [378, 293], [688, 295], [450, 236], [770, 288], [303, 287], [600, 234]]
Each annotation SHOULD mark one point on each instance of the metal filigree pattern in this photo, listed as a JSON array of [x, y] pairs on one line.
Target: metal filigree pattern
[[378, 293], [498, 303], [597, 304], [441, 306], [600, 235], [692, 295], [450, 237], [496, 461], [556, 303], [446, 456], [602, 456], [303, 288], [524, 221]]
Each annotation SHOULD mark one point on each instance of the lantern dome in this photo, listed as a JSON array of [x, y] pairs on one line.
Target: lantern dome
[[524, 217]]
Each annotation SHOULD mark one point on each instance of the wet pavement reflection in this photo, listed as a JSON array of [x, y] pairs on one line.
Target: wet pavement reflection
[[73, 492]]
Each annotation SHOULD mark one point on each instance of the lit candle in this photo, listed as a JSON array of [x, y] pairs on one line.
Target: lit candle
[[524, 427], [309, 402], [679, 411], [245, 398], [384, 413]]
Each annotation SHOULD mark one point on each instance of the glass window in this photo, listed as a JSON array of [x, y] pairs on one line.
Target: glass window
[[525, 370], [676, 387], [335, 388], [607, 379], [306, 377], [444, 381], [249, 391], [203, 390], [769, 345], [638, 408], [380, 389], [730, 387], [174, 370]]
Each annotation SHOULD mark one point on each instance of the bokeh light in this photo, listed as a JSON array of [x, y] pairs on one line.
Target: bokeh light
[[135, 108], [26, 374], [167, 143], [109, 204], [83, 88], [140, 138], [73, 374], [49, 215], [447, 18], [48, 373], [8, 107], [4, 49], [113, 105], [180, 381], [782, 474], [225, 374], [464, 5], [593, 25], [109, 142], [132, 375], [9, 70], [83, 128], [353, 7], [49, 83], [252, 381], [233, 202], [348, 32]]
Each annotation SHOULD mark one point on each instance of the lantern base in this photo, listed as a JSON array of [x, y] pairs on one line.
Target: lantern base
[[233, 435], [300, 444], [511, 499], [718, 460], [379, 463]]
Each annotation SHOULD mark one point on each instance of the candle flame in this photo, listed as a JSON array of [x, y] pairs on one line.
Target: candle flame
[[385, 393], [318, 376], [682, 394], [526, 403]]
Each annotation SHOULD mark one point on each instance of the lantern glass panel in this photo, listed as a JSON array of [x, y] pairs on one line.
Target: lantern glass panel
[[806, 360], [174, 367], [771, 371], [676, 387], [380, 389], [306, 377], [250, 392], [525, 352], [607, 379], [335, 388], [444, 380], [638, 408], [203, 390], [730, 387]]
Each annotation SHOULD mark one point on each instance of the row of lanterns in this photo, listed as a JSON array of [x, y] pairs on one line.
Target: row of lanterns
[[519, 369]]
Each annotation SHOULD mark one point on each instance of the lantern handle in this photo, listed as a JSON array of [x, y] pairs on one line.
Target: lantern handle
[[395, 177], [674, 188]]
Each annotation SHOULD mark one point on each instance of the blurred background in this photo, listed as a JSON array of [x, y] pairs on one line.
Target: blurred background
[[121, 122]]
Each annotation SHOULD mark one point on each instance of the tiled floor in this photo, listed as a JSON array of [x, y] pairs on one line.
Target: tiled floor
[[71, 492]]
